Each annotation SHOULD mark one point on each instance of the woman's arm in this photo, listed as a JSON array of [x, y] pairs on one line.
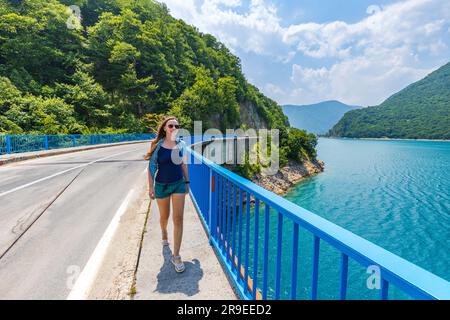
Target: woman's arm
[[150, 185], [150, 180], [185, 172]]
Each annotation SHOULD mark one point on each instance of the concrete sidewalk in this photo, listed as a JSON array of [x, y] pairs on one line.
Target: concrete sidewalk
[[204, 277], [13, 157]]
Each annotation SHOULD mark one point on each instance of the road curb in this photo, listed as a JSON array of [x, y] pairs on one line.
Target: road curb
[[54, 152]]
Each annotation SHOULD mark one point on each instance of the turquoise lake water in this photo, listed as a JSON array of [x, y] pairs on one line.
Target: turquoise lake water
[[393, 193]]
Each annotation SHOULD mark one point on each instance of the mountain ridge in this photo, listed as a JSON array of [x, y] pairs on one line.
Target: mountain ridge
[[317, 118], [419, 111]]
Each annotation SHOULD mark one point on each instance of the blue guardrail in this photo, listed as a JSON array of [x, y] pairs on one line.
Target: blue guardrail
[[263, 239], [27, 143]]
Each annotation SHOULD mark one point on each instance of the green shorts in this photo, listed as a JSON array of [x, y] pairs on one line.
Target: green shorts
[[163, 190]]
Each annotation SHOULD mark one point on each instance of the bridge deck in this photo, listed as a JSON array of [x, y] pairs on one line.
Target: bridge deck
[[203, 278]]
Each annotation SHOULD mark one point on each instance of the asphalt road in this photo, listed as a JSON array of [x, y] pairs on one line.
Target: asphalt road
[[54, 211]]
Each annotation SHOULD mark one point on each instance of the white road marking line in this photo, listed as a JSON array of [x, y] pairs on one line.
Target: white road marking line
[[59, 173], [84, 283]]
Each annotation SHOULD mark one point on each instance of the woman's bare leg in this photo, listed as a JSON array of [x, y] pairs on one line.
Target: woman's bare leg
[[178, 211], [164, 213]]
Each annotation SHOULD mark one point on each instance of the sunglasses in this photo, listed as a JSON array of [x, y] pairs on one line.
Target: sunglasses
[[177, 126]]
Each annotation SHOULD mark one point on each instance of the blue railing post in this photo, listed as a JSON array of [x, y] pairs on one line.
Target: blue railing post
[[247, 241], [224, 215], [384, 289], [344, 275], [294, 263], [266, 250], [219, 208], [241, 198], [279, 254], [233, 227], [8, 144], [228, 234], [315, 270], [46, 142], [255, 249], [73, 140], [212, 205]]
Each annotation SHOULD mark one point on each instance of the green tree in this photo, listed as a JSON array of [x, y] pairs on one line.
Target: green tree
[[129, 59]]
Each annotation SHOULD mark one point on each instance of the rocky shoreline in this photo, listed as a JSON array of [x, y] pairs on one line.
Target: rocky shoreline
[[288, 176]]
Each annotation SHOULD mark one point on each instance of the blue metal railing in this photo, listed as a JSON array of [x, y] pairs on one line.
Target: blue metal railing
[[26, 143], [251, 242]]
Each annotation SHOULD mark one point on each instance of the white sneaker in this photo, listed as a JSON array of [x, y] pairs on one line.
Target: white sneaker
[[179, 266]]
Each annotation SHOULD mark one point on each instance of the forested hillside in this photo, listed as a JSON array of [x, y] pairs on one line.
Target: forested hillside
[[119, 69], [420, 111], [129, 59]]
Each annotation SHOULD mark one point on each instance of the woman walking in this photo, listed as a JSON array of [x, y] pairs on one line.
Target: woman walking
[[167, 161]]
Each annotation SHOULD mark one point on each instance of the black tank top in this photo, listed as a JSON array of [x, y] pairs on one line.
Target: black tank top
[[168, 171]]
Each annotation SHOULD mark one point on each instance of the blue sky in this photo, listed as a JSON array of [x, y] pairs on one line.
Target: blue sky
[[300, 52]]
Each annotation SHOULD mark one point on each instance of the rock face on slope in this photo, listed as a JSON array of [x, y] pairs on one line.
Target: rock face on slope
[[251, 117]]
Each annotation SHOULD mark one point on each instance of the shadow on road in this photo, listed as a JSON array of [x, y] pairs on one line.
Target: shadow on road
[[170, 281]]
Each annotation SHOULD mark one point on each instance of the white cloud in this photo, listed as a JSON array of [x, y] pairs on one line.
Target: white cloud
[[434, 26], [373, 9], [412, 22], [393, 46], [185, 10], [273, 89], [309, 83], [391, 42], [364, 80], [228, 3], [258, 30]]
